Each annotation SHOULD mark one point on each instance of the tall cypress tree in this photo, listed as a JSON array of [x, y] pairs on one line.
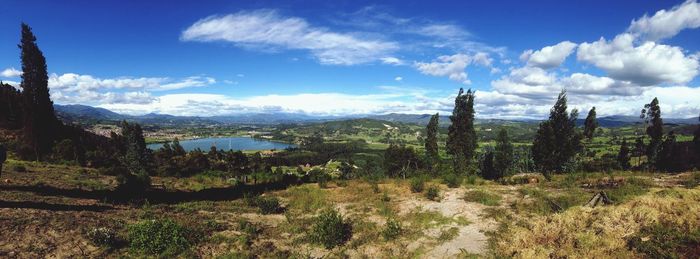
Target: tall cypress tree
[[696, 141], [623, 156], [431, 140], [461, 138], [10, 107], [504, 154], [557, 142], [590, 124], [655, 129], [39, 119]]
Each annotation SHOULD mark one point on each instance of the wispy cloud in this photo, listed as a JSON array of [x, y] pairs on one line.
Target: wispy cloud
[[269, 29], [11, 73]]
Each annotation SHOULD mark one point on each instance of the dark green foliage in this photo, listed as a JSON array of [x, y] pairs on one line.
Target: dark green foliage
[[19, 168], [432, 193], [103, 236], [623, 156], [668, 155], [417, 184], [65, 150], [39, 119], [3, 156], [10, 107], [268, 205], [503, 155], [135, 179], [655, 128], [488, 169], [452, 180], [400, 160], [590, 124], [696, 143], [158, 236], [483, 197], [431, 140], [330, 229], [557, 142], [666, 241], [461, 137], [392, 230]]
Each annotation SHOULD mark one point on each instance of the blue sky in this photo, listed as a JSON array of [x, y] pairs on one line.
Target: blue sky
[[361, 57]]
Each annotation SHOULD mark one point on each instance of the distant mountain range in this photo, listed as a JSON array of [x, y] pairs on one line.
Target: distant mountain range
[[89, 114]]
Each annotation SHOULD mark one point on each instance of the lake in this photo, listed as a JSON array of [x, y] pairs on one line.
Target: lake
[[230, 143]]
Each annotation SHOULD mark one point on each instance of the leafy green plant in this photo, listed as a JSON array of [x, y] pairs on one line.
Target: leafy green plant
[[392, 230], [103, 236], [330, 229], [452, 180], [417, 184], [433, 193], [268, 205], [158, 236], [483, 197]]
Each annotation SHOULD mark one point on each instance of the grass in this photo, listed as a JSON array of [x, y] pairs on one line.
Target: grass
[[600, 232], [483, 197], [306, 199], [448, 234]]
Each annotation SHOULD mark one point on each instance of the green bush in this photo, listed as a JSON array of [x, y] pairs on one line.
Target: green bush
[[392, 230], [693, 180], [268, 205], [433, 193], [102, 236], [483, 197], [330, 229], [248, 230], [19, 168], [452, 180], [158, 237], [417, 184]]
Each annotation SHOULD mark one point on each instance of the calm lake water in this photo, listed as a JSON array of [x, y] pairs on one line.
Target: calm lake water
[[232, 143]]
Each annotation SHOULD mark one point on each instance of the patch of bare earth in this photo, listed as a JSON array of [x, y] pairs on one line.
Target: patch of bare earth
[[470, 238]]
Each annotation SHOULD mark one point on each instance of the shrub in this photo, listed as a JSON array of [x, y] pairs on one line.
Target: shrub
[[385, 196], [330, 229], [19, 168], [483, 197], [249, 232], [375, 186], [452, 180], [392, 230], [433, 193], [268, 205], [417, 184], [693, 180], [472, 179], [103, 236], [158, 236], [250, 199]]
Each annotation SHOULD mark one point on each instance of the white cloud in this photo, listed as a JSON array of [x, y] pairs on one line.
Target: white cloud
[[398, 78], [667, 23], [392, 61], [446, 31], [73, 88], [268, 29], [550, 56], [647, 64], [454, 66], [10, 72]]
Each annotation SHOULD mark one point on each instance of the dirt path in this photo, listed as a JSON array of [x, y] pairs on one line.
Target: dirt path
[[470, 237]]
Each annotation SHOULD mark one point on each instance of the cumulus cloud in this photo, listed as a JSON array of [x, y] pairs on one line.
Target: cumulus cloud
[[268, 29], [10, 72], [453, 66], [667, 23], [71, 88], [647, 64], [550, 56]]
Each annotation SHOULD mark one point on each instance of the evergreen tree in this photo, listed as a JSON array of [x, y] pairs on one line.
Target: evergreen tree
[[431, 140], [400, 160], [503, 157], [135, 158], [556, 141], [666, 156], [488, 169], [40, 122], [590, 124], [639, 149], [10, 107], [652, 117], [623, 156], [696, 140], [3, 156], [461, 139]]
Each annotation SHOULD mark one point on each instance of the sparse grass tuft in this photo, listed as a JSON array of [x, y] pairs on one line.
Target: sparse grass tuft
[[417, 184], [433, 193]]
